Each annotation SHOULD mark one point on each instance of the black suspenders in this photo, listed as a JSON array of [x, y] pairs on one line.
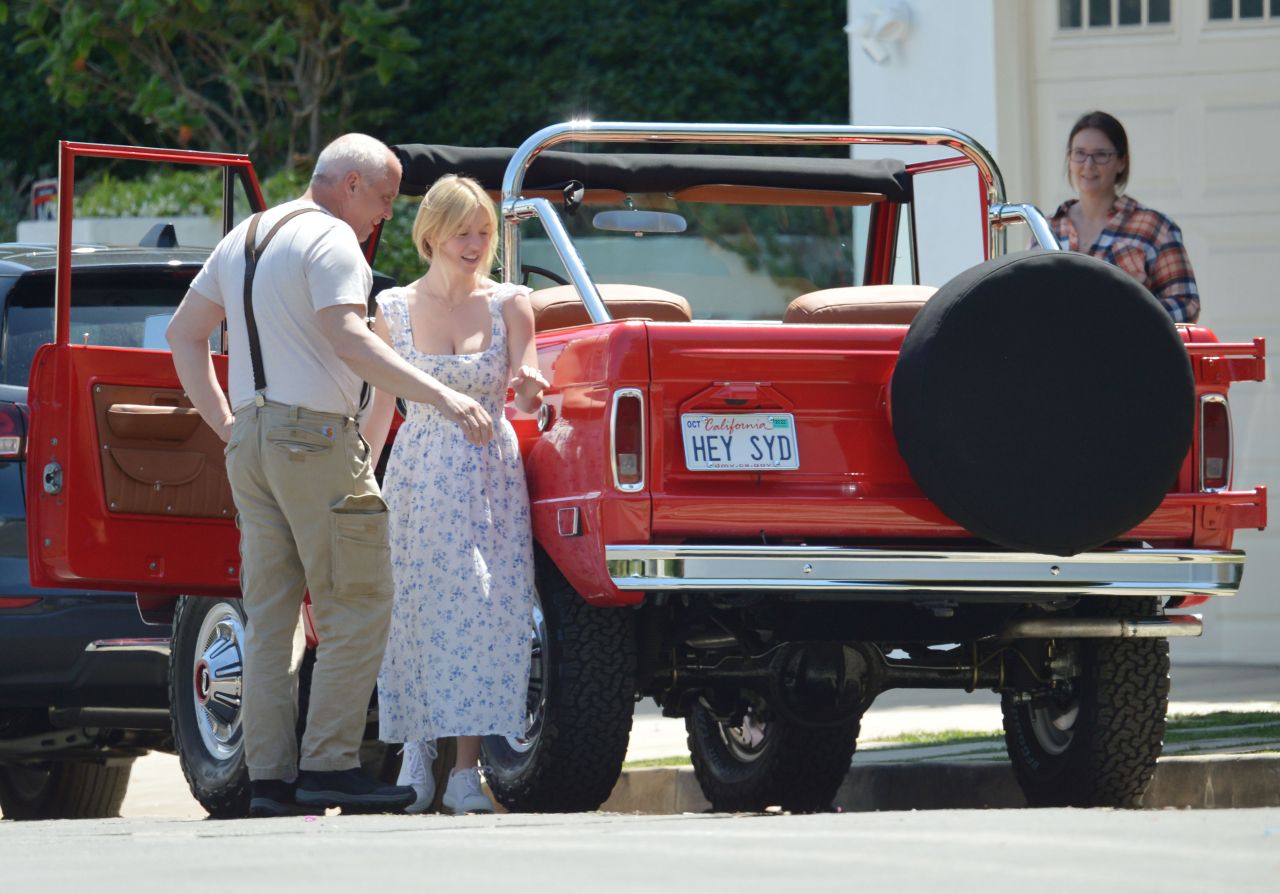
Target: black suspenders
[[251, 255]]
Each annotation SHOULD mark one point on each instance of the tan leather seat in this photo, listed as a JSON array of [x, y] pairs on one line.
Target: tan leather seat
[[860, 304], [560, 307]]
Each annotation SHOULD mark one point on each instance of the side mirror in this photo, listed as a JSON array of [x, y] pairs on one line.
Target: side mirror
[[162, 235]]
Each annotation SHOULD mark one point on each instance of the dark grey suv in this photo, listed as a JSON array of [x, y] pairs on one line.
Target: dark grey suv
[[83, 681]]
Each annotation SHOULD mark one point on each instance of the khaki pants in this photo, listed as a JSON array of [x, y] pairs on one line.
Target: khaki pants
[[311, 518]]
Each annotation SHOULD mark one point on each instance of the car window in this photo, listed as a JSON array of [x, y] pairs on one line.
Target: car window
[[732, 262], [109, 308]]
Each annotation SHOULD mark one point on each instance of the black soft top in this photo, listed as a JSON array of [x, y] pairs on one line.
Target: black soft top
[[641, 173]]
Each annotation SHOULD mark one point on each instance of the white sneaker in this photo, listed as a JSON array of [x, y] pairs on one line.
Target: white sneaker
[[463, 793], [415, 770]]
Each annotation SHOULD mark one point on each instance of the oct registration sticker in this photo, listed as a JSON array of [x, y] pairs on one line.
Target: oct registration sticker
[[720, 442]]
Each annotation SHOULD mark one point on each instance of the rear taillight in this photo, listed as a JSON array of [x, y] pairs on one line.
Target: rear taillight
[[18, 601], [13, 433], [1215, 442], [627, 437]]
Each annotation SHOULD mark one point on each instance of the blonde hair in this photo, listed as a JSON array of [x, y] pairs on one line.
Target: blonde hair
[[446, 208]]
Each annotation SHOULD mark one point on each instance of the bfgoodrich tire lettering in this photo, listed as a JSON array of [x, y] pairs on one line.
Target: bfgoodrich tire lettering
[[784, 764], [1097, 747], [574, 754], [204, 702]]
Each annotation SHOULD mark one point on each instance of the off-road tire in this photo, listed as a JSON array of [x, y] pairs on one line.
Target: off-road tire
[[798, 768], [589, 665], [64, 789], [220, 784], [1123, 696]]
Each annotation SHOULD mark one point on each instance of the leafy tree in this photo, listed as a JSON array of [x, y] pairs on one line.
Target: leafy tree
[[268, 77], [33, 124], [491, 72]]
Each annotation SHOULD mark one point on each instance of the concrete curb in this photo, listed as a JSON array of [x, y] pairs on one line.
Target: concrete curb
[[1202, 782]]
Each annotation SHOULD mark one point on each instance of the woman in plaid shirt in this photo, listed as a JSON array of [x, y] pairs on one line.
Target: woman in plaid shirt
[[1139, 240]]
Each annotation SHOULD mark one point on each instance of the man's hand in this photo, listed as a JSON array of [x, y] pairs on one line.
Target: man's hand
[[473, 419], [188, 334]]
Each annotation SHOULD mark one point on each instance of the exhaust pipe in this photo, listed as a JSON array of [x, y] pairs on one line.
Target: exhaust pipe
[[1103, 628]]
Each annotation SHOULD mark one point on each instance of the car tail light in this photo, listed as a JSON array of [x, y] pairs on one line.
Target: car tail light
[[18, 601], [627, 437], [13, 433], [1215, 442]]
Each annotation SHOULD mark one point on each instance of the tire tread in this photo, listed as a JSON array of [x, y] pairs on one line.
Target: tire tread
[[1128, 685], [578, 757]]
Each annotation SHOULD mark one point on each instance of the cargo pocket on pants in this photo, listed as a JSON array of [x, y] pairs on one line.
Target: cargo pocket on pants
[[359, 550]]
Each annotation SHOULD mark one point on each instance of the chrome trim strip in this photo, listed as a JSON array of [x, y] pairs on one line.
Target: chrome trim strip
[[1001, 215], [762, 134], [159, 645], [1104, 628], [613, 440], [905, 574], [1231, 443]]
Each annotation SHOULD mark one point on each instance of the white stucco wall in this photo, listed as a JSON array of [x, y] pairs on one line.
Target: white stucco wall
[[932, 79]]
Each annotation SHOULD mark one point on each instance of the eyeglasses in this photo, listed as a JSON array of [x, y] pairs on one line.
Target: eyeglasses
[[1099, 158]]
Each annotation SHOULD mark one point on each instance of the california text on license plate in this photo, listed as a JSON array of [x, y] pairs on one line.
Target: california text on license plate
[[716, 442]]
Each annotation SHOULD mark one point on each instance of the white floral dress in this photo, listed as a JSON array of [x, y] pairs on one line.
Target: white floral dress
[[457, 659]]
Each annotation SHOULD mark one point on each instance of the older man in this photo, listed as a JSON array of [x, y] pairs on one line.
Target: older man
[[292, 284]]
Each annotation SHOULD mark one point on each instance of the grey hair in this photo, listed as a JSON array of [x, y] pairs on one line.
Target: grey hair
[[352, 152]]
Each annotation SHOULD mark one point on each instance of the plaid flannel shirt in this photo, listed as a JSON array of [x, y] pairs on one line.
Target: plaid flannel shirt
[[1145, 244]]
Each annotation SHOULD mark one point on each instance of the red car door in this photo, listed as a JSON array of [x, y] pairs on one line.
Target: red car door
[[126, 486]]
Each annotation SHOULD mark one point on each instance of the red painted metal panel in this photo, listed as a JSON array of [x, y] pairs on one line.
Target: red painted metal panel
[[72, 538], [852, 483], [568, 465], [68, 152]]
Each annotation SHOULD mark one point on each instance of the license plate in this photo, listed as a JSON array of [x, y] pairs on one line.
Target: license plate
[[720, 442]]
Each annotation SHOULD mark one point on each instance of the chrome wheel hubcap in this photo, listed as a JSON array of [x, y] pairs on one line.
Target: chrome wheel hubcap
[[536, 701], [1054, 725], [219, 680], [746, 742]]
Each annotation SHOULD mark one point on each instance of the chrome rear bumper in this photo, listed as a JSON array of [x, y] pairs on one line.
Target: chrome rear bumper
[[879, 575]]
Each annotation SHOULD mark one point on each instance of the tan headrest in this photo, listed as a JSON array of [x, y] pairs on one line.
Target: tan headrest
[[560, 307], [859, 304]]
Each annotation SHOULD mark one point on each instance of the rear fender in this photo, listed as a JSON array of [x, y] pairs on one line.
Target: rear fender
[[575, 507]]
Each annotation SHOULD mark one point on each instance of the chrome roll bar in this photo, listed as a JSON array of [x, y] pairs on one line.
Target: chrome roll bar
[[1002, 215], [514, 208], [515, 211]]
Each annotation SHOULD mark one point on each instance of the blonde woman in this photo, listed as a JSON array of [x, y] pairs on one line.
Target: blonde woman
[[457, 660]]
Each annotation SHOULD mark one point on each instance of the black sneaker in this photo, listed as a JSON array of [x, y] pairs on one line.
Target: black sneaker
[[350, 789], [272, 797]]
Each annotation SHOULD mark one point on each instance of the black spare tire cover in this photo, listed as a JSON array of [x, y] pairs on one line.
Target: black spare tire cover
[[1044, 401]]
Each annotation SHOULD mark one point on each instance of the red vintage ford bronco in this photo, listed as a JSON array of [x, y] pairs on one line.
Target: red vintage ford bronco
[[775, 475]]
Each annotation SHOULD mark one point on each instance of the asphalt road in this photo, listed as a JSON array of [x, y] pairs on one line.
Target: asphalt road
[[955, 851]]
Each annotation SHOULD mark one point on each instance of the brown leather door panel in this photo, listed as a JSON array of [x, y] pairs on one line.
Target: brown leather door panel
[[141, 422], [157, 455], [159, 468]]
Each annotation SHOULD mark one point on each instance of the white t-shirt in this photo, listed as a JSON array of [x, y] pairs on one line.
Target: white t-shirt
[[314, 262]]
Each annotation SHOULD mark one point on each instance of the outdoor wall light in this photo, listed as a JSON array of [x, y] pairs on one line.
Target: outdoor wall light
[[877, 29]]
